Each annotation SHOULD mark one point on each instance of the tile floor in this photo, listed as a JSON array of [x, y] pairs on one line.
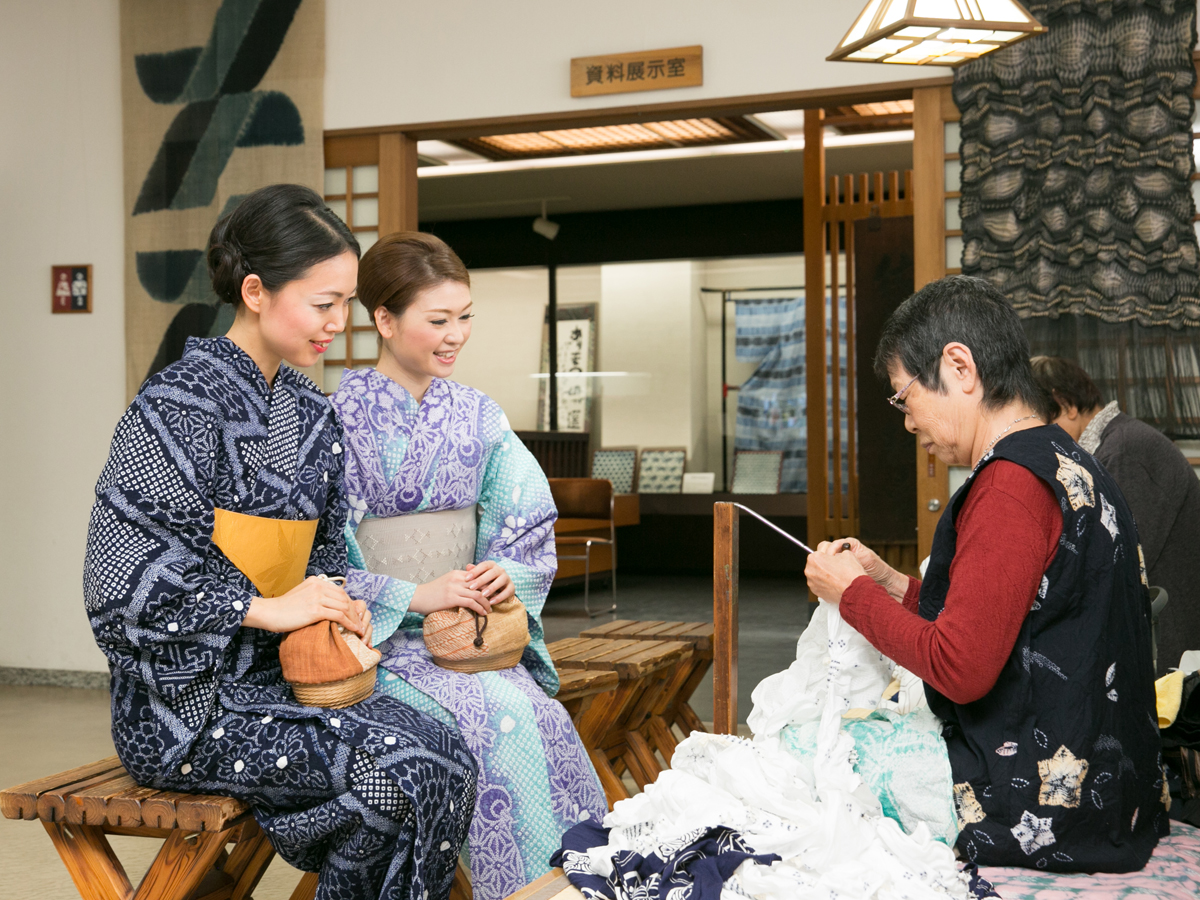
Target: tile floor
[[49, 729]]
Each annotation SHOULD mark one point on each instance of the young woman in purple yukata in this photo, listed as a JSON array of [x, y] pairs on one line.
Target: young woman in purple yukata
[[448, 509]]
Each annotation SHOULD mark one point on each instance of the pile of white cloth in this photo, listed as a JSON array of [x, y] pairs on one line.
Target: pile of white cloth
[[817, 814]]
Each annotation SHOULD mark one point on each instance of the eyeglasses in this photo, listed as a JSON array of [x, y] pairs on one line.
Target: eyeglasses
[[895, 398]]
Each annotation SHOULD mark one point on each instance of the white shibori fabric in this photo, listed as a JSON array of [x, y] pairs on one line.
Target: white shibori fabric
[[818, 815], [419, 547]]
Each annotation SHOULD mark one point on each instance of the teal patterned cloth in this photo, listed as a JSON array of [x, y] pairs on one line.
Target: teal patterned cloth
[[902, 758]]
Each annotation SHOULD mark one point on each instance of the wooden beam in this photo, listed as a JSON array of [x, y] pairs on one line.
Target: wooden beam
[[929, 264], [648, 112], [397, 183], [814, 322], [725, 618]]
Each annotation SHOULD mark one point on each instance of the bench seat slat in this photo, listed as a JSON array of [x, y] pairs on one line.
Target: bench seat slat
[[20, 802], [89, 805], [52, 804]]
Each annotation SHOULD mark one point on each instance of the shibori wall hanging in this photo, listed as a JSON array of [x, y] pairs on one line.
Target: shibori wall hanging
[[220, 97]]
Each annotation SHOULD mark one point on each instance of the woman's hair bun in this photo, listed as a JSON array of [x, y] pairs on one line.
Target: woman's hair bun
[[278, 233], [227, 267]]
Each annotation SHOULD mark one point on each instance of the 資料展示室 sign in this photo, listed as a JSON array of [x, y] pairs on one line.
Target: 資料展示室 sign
[[649, 70]]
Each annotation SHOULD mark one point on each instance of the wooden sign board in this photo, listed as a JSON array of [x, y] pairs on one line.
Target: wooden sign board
[[650, 70], [70, 289]]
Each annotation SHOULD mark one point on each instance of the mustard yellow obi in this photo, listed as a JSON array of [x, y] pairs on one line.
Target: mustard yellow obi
[[272, 553], [325, 665]]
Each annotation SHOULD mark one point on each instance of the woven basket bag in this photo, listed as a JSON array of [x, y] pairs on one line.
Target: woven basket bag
[[464, 641]]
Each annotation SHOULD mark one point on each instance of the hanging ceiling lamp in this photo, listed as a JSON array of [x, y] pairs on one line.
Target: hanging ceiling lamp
[[934, 32]]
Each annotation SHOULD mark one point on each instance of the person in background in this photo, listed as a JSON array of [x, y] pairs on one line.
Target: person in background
[[1159, 485]]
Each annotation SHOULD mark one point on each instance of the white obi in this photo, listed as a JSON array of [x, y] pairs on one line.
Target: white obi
[[421, 546]]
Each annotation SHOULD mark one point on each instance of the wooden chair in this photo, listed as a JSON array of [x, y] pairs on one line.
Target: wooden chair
[[614, 725], [585, 513], [673, 708], [79, 808]]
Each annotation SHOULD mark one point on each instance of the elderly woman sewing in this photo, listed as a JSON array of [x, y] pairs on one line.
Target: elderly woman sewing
[[1031, 628]]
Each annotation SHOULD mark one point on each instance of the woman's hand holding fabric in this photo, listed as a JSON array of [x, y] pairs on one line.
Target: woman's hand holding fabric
[[895, 583], [450, 591], [315, 599], [831, 570], [365, 615], [491, 580]]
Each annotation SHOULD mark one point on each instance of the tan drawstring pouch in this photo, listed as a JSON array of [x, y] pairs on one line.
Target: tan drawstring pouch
[[464, 641]]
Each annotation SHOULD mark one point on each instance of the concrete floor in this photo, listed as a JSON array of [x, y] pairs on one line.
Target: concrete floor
[[49, 729]]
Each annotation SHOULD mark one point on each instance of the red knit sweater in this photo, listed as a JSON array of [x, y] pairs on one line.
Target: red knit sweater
[[1008, 531]]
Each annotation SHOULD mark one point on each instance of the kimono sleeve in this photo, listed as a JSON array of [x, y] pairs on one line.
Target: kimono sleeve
[[155, 599], [516, 529]]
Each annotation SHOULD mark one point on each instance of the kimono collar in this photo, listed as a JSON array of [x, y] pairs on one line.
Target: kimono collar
[[1090, 439], [363, 380], [227, 351]]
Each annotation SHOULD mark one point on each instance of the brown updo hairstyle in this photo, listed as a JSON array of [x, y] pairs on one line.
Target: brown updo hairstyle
[[402, 265], [278, 233]]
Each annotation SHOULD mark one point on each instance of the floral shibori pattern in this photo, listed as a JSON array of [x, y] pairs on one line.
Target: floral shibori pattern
[[966, 807], [374, 797], [454, 451], [1032, 832], [1062, 779], [1078, 482], [1062, 756]]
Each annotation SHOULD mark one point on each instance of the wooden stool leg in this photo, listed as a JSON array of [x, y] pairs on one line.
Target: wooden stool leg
[[95, 869], [640, 759], [307, 888], [614, 788], [248, 861], [688, 721], [181, 864], [662, 738], [461, 888]]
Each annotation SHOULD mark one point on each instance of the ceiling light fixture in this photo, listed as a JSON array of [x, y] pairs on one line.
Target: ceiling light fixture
[[934, 32], [544, 227]]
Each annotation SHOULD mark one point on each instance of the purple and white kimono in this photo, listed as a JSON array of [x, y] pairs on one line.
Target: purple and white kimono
[[420, 478]]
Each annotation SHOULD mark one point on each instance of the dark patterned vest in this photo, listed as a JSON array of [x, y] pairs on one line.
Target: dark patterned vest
[[1058, 767]]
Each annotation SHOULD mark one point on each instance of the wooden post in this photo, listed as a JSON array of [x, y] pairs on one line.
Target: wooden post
[[397, 183], [725, 618], [814, 323], [929, 264], [552, 351]]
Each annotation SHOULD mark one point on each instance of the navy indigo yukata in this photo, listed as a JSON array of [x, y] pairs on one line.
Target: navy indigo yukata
[[376, 797], [1058, 767]]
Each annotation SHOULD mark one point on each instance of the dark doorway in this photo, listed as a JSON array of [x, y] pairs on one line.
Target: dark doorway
[[883, 279]]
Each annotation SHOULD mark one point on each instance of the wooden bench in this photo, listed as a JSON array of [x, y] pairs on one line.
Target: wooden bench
[[79, 808], [675, 709], [551, 886], [613, 728]]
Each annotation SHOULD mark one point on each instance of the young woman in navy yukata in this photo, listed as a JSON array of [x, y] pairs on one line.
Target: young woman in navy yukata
[[376, 797], [448, 509]]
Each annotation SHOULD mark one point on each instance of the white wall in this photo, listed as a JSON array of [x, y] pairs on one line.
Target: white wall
[[649, 314], [389, 63], [60, 177]]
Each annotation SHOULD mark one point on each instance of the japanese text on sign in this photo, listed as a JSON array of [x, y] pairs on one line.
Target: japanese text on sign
[[651, 70]]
